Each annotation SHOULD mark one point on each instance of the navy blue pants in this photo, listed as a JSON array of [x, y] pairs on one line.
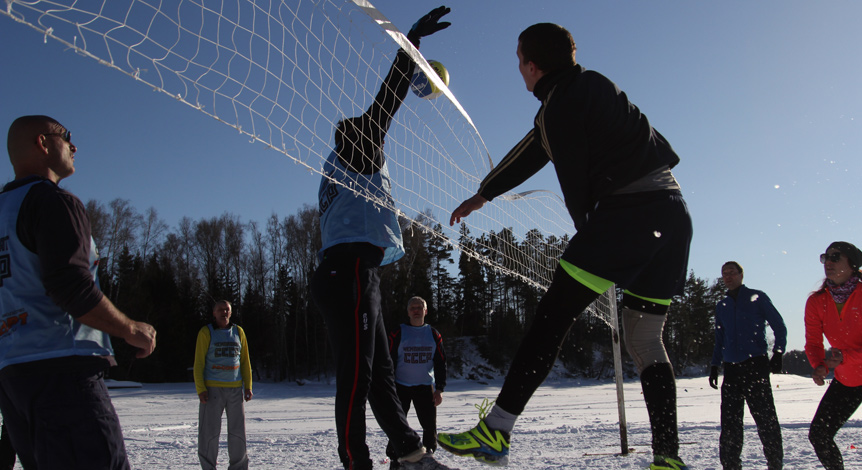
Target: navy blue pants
[[62, 417], [346, 289]]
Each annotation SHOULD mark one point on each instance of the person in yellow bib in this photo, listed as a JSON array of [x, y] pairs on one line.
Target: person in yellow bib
[[222, 380]]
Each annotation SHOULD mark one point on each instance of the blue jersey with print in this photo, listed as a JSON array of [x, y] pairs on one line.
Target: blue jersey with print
[[32, 326], [348, 212], [223, 355]]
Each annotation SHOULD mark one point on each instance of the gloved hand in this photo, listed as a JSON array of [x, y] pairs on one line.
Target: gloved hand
[[776, 363], [428, 25], [713, 377]]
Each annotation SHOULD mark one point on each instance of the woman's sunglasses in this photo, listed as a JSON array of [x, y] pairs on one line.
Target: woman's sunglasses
[[835, 257]]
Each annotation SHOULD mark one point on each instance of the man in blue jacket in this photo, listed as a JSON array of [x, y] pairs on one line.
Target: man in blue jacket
[[740, 343]]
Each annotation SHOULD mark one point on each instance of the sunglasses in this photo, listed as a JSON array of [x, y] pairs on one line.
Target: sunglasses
[[67, 135], [835, 257]]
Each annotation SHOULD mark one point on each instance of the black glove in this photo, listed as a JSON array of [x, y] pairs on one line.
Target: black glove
[[428, 25], [776, 363], [713, 377]]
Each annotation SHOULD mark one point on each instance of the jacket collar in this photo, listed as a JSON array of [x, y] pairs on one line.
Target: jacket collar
[[544, 85]]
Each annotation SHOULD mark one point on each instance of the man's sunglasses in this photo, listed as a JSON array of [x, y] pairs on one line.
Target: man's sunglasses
[[67, 135], [835, 257]]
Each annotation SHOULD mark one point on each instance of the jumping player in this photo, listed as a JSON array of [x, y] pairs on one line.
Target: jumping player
[[633, 230], [358, 237]]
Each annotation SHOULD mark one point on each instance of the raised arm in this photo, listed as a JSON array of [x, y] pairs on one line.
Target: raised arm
[[359, 140]]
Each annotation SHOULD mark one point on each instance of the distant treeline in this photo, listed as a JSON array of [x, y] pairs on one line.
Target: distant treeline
[[170, 277]]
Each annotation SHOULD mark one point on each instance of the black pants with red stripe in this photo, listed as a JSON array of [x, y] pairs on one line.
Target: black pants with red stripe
[[346, 290]]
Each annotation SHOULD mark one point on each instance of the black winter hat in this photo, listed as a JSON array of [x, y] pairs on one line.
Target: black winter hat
[[854, 256]]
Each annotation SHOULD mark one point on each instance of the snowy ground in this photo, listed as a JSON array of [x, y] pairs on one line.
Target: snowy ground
[[292, 427]]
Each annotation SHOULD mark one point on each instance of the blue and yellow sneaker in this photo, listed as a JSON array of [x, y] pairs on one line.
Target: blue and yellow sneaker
[[489, 446], [667, 463]]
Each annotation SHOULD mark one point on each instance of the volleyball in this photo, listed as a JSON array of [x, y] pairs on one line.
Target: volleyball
[[423, 87]]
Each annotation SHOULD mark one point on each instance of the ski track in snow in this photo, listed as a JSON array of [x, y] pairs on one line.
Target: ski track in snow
[[292, 427]]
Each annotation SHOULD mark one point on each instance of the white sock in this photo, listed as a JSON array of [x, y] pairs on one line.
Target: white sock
[[501, 419]]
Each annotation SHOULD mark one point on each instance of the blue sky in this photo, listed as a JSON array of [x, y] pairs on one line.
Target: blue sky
[[761, 100]]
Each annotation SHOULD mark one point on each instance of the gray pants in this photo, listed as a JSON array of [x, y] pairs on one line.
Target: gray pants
[[209, 427]]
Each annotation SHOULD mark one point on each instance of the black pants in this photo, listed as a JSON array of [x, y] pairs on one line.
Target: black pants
[[837, 405], [7, 452], [564, 301], [422, 398], [346, 289], [748, 382], [62, 418]]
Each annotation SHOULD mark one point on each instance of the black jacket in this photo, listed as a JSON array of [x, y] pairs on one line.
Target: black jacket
[[598, 141]]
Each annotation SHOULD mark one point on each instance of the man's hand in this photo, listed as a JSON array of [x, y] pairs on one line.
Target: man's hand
[[713, 377], [428, 25], [248, 394], [819, 375], [108, 318], [474, 203], [143, 337], [776, 364], [438, 397], [204, 396]]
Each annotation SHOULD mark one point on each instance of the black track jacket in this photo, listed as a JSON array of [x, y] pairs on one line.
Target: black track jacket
[[598, 140]]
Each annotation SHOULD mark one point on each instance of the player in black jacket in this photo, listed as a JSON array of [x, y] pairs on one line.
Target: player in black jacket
[[633, 230]]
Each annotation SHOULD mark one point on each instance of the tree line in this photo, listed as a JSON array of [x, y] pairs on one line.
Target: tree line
[[170, 277]]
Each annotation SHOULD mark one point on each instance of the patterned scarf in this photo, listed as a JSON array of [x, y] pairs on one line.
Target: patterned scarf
[[842, 292]]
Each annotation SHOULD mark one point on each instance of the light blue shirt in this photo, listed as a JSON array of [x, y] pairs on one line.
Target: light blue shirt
[[32, 326], [349, 214]]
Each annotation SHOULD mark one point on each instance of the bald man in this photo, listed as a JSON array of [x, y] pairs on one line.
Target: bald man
[[55, 323]]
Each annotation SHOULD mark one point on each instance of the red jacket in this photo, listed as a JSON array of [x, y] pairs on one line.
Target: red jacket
[[843, 331]]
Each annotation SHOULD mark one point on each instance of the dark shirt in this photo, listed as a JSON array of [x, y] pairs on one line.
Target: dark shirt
[[598, 141], [53, 224]]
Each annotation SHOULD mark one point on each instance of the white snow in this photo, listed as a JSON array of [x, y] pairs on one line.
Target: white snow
[[292, 427]]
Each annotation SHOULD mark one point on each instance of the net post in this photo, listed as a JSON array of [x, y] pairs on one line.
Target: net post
[[618, 369]]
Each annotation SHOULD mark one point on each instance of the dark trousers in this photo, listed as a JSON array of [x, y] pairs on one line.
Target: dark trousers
[[346, 289], [7, 452], [748, 382], [422, 397], [837, 405], [564, 301], [62, 419]]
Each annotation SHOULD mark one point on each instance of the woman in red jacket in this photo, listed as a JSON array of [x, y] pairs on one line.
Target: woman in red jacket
[[835, 310]]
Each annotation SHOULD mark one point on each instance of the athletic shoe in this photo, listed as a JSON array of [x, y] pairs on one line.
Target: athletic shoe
[[487, 445], [427, 462], [667, 463]]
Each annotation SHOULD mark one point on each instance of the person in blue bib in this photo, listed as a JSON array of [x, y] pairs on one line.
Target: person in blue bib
[[420, 369], [359, 234], [222, 380], [55, 323]]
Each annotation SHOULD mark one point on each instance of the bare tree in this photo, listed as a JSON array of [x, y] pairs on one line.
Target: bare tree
[[152, 230]]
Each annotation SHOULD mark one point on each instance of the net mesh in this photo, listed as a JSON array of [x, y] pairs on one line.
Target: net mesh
[[282, 73]]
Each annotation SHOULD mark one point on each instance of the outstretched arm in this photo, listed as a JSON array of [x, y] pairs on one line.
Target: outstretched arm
[[362, 148]]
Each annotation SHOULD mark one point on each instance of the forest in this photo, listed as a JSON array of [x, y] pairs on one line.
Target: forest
[[170, 277]]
